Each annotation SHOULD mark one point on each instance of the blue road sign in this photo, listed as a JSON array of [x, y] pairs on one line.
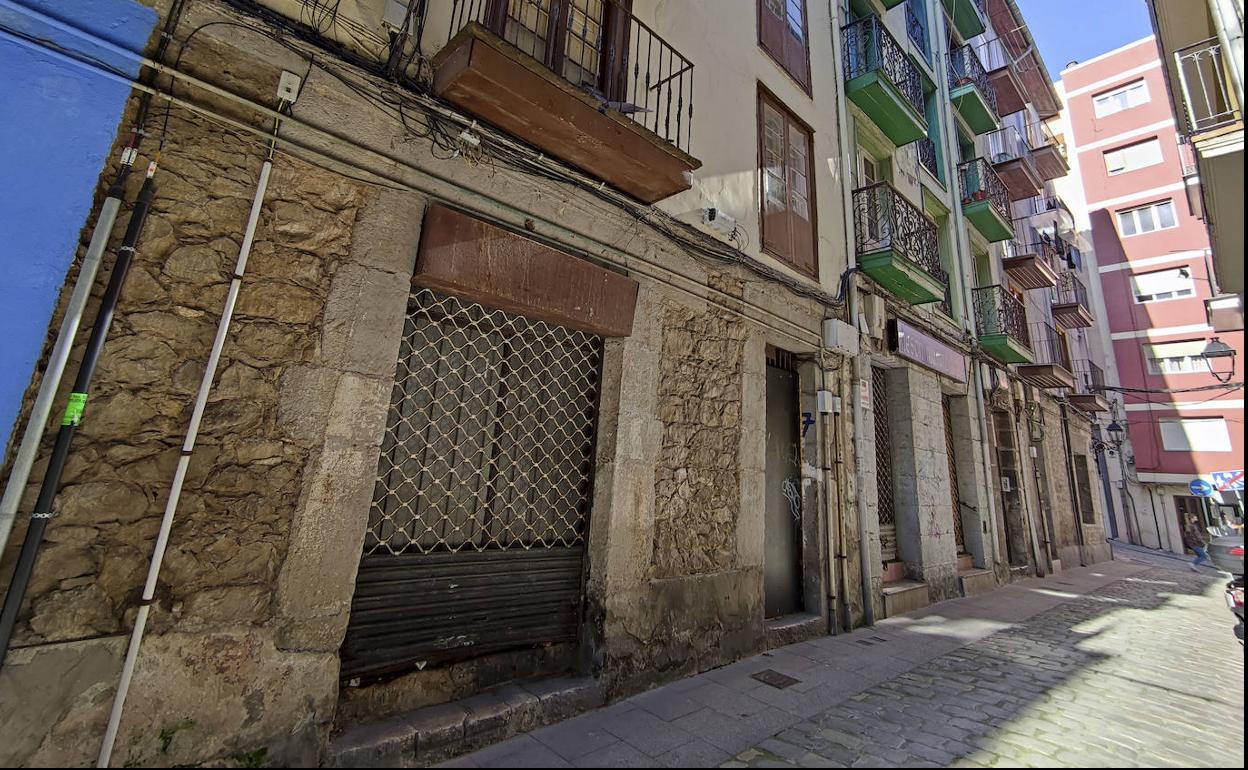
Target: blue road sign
[[1201, 488]]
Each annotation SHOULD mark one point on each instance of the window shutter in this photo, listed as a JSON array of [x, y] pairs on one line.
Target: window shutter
[[775, 205], [771, 27], [795, 59], [801, 217]]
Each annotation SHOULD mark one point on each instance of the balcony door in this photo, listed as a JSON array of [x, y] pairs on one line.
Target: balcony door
[[584, 41]]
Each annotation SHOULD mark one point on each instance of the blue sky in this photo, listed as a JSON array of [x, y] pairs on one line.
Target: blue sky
[[1069, 30]]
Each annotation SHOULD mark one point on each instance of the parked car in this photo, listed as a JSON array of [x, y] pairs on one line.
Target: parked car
[[1227, 552]]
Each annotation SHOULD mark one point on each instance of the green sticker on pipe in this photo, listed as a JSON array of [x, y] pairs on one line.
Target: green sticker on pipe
[[73, 410]]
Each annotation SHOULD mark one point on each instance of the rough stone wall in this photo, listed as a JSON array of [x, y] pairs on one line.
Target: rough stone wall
[[697, 479], [245, 480], [245, 476], [241, 655]]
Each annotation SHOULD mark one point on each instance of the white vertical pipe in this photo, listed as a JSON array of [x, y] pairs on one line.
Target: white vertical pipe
[[38, 422], [175, 491]]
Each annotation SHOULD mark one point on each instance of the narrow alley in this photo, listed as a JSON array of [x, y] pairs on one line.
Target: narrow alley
[[1128, 663]]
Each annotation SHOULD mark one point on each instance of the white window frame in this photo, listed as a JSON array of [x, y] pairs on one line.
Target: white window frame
[[1180, 439], [1178, 361], [1107, 103], [1135, 214], [1182, 291], [1128, 151]]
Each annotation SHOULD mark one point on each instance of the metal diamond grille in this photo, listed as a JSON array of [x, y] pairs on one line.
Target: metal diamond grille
[[490, 433], [947, 405], [884, 466]]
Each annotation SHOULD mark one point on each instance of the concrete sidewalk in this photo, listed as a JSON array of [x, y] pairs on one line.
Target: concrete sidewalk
[[714, 717]]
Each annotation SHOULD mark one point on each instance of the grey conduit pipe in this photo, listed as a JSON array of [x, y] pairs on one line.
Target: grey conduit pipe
[[39, 413], [179, 476]]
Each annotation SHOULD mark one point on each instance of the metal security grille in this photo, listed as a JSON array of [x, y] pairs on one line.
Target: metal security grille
[[884, 466], [475, 539], [490, 433], [947, 405]]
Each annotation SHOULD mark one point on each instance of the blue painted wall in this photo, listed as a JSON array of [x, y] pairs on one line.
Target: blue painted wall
[[58, 121]]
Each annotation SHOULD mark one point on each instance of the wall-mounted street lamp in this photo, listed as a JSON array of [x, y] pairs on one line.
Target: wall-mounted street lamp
[[1220, 358]]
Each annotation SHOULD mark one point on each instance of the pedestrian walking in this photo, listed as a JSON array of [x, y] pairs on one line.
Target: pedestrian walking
[[1195, 537]]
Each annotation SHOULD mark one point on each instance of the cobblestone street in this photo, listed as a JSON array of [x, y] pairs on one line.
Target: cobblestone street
[[1123, 664]]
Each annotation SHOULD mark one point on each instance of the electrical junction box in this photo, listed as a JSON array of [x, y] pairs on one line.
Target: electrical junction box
[[840, 337], [827, 402], [288, 87]]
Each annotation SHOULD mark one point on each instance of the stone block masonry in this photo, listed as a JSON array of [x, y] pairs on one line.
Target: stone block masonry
[[241, 659]]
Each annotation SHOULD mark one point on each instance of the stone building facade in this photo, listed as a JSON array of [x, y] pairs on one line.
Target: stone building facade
[[728, 492]]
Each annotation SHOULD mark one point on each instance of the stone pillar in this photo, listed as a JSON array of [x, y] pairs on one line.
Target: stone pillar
[[924, 520]]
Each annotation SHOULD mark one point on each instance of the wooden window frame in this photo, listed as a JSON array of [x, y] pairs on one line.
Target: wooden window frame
[[767, 98], [802, 78], [611, 72]]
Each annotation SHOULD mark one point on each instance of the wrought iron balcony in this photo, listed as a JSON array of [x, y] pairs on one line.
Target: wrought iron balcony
[[1047, 152], [928, 157], [985, 201], [971, 91], [883, 81], [1071, 307], [598, 89], [1031, 262], [1001, 321], [968, 16], [897, 245], [1208, 100], [1046, 211], [1009, 88], [1010, 153], [1050, 367], [1088, 395]]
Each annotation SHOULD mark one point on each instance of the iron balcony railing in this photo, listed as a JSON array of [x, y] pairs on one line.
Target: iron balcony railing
[[1089, 378], [916, 30], [999, 312], [1048, 346], [1039, 135], [992, 54], [1071, 291], [1207, 98], [884, 219], [978, 181], [928, 157], [1006, 144], [1046, 204], [1041, 245], [869, 47], [609, 53], [965, 68]]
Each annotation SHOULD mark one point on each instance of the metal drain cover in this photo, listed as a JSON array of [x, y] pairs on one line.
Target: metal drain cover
[[775, 678]]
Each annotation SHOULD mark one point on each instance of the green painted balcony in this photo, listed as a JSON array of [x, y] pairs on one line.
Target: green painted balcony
[[897, 245], [971, 91], [1001, 323], [968, 17], [985, 201], [883, 81], [869, 7]]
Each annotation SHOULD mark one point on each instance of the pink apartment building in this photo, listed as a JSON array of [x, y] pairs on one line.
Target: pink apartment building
[[1142, 205]]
